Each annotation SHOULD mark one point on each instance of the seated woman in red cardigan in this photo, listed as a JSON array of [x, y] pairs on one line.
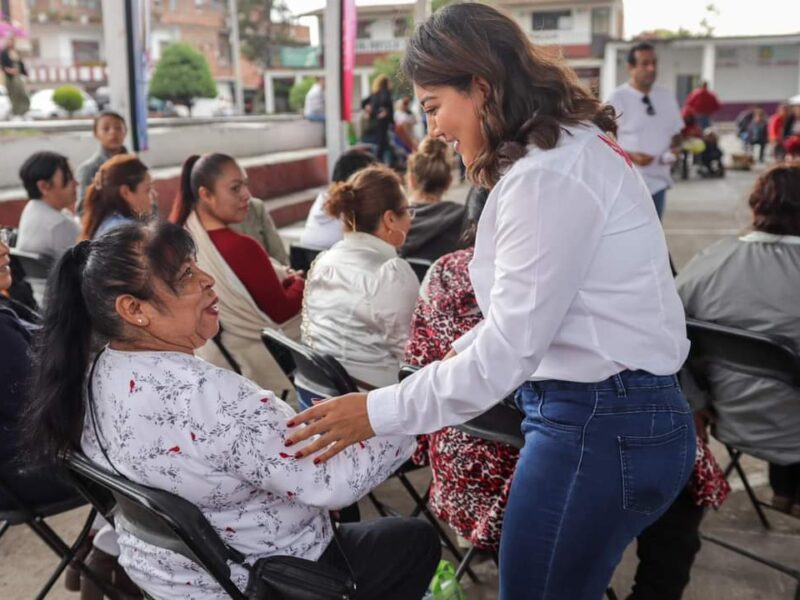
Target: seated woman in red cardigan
[[254, 290]]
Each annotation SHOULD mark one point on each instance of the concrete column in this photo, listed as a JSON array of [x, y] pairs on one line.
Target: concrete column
[[422, 10], [709, 63], [334, 128], [364, 86], [116, 49], [269, 94], [608, 77]]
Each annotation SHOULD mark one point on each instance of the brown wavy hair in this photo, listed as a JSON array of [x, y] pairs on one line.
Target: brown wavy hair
[[103, 197], [432, 166], [775, 200], [361, 200], [532, 94]]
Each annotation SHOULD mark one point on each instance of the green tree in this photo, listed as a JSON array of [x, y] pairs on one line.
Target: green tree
[[181, 75], [264, 26], [297, 95], [69, 98], [390, 66]]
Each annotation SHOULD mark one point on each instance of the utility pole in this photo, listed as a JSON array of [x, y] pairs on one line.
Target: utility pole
[[422, 10], [235, 42]]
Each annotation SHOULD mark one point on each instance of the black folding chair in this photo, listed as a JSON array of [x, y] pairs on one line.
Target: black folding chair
[[755, 354], [324, 376], [36, 266], [420, 266], [301, 256], [22, 513]]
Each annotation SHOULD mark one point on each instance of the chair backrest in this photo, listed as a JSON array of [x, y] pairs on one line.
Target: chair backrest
[[301, 257], [156, 517], [756, 354], [420, 266], [321, 374], [36, 266], [501, 423]]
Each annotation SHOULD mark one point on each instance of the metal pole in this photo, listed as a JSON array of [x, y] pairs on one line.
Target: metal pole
[[334, 131], [235, 42]]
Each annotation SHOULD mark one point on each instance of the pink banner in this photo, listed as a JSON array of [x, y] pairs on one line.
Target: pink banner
[[349, 25]]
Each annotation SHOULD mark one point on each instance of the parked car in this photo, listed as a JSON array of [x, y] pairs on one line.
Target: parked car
[[212, 107], [5, 104], [43, 107]]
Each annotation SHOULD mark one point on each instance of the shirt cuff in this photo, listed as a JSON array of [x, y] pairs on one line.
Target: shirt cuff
[[382, 410]]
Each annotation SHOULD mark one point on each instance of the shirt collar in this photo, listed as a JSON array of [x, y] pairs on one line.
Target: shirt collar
[[770, 238], [358, 238]]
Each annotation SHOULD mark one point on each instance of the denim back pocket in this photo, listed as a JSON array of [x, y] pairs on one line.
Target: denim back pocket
[[653, 469]]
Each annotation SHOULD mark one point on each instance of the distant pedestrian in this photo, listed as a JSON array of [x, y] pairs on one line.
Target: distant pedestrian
[[110, 130], [649, 122], [704, 103], [382, 111], [775, 126], [14, 71], [757, 133], [314, 108]]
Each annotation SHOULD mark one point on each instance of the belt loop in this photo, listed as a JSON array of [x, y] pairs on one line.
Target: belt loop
[[621, 393]]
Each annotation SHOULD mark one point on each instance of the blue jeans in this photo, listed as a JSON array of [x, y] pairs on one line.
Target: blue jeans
[[660, 199], [304, 398], [601, 462]]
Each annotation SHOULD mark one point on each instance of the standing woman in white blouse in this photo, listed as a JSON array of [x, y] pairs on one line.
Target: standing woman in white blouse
[[582, 317]]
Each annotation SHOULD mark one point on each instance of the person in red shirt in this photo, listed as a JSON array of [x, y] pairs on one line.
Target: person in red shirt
[[704, 103], [221, 199], [254, 291], [775, 127]]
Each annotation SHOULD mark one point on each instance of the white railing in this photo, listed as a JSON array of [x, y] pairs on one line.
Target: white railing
[[365, 46]]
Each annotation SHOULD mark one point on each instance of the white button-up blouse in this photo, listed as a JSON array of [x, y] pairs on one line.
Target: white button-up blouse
[[177, 423], [572, 274]]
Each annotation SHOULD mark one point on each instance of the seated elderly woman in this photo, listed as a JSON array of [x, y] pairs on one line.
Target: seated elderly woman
[[360, 294], [121, 192], [437, 225], [753, 282], [164, 418], [254, 291]]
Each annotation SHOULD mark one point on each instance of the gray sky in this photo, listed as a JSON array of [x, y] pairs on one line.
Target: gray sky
[[737, 17]]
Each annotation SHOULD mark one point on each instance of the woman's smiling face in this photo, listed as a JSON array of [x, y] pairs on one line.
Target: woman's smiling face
[[454, 117]]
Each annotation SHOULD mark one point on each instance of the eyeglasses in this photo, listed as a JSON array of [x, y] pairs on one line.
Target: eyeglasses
[[650, 110], [411, 210]]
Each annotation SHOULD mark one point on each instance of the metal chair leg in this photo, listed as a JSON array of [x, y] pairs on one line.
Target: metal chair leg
[[463, 566], [435, 522], [750, 493]]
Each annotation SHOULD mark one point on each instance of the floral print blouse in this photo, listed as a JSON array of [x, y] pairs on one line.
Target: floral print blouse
[[175, 422]]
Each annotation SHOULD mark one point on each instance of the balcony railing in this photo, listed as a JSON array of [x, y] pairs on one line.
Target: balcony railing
[[365, 46]]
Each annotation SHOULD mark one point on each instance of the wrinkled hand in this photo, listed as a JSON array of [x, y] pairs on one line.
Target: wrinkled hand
[[339, 422]]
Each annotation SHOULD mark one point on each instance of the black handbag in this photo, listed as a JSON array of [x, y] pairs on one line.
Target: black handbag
[[292, 578], [274, 577]]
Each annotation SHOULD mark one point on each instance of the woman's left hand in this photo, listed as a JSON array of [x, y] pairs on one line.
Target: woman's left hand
[[339, 422]]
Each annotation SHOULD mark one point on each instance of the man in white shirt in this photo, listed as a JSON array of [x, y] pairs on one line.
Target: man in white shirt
[[46, 226], [314, 109], [649, 121]]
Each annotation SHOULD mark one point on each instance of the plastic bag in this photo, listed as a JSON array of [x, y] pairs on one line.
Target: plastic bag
[[444, 585]]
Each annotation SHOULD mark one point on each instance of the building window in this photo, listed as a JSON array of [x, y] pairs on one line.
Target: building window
[[552, 20], [400, 28], [224, 53], [362, 29], [85, 52], [601, 20]]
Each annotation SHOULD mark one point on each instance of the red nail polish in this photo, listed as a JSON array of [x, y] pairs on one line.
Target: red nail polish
[[290, 424], [316, 461], [298, 455], [288, 443]]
